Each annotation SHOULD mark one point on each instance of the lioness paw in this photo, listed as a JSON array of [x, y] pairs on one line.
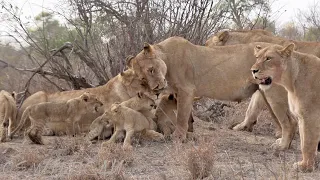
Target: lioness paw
[[300, 166]]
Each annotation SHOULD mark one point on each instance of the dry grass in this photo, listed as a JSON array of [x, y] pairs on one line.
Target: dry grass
[[29, 158], [113, 155], [200, 159]]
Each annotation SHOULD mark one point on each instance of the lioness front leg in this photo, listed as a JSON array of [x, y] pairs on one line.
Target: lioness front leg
[[309, 136], [184, 107], [254, 109]]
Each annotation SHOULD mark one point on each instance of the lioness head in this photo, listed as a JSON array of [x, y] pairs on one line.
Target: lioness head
[[130, 79], [149, 67], [271, 62], [91, 101]]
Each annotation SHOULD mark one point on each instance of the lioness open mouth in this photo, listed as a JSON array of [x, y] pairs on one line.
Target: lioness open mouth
[[266, 81]]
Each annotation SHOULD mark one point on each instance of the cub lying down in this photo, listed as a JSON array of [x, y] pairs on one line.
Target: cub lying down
[[141, 103], [165, 116], [69, 112]]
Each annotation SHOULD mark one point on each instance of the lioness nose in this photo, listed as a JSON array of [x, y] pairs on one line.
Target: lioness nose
[[255, 71]]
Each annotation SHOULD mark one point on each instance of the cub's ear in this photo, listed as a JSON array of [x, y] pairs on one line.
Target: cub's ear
[[257, 48], [171, 97], [223, 36], [85, 96], [147, 48], [287, 51], [129, 61]]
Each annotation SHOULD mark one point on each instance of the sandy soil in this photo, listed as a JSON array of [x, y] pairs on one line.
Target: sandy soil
[[216, 152]]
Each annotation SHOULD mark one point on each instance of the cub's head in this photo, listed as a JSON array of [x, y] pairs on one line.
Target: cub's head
[[168, 101], [271, 62], [149, 67], [143, 102], [91, 101]]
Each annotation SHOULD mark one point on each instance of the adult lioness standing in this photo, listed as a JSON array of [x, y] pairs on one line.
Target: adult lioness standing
[[192, 70], [8, 113], [120, 88], [299, 74], [276, 95]]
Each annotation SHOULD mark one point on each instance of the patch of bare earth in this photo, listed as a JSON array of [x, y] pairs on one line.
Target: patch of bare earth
[[216, 153]]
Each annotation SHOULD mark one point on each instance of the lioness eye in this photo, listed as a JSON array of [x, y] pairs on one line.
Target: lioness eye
[[268, 58]]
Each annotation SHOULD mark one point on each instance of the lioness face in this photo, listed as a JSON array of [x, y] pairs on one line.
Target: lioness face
[[150, 68], [270, 64], [129, 78], [92, 101]]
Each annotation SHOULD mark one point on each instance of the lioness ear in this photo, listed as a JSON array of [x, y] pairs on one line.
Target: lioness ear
[[85, 96], [223, 35], [140, 94], [257, 48], [286, 52], [128, 61], [171, 97], [146, 48], [14, 94], [115, 107]]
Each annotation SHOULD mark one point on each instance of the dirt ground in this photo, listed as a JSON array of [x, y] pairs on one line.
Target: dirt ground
[[216, 152]]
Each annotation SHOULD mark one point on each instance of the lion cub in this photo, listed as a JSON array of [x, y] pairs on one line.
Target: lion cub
[[8, 112], [130, 120], [140, 103], [69, 112], [165, 116]]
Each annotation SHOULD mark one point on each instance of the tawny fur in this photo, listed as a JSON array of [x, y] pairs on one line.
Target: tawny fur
[[118, 89], [299, 74], [69, 112], [8, 112], [141, 103]]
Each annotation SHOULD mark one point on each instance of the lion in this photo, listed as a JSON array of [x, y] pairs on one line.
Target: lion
[[130, 120], [141, 103], [299, 74], [165, 116], [198, 71], [69, 112], [8, 112], [120, 88], [276, 95]]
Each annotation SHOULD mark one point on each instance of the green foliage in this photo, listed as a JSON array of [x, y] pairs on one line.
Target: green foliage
[[312, 34], [49, 33]]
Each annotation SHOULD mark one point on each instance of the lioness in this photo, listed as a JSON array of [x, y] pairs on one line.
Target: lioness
[[132, 121], [69, 112], [141, 103], [120, 88], [299, 74], [276, 95], [195, 71], [8, 112]]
